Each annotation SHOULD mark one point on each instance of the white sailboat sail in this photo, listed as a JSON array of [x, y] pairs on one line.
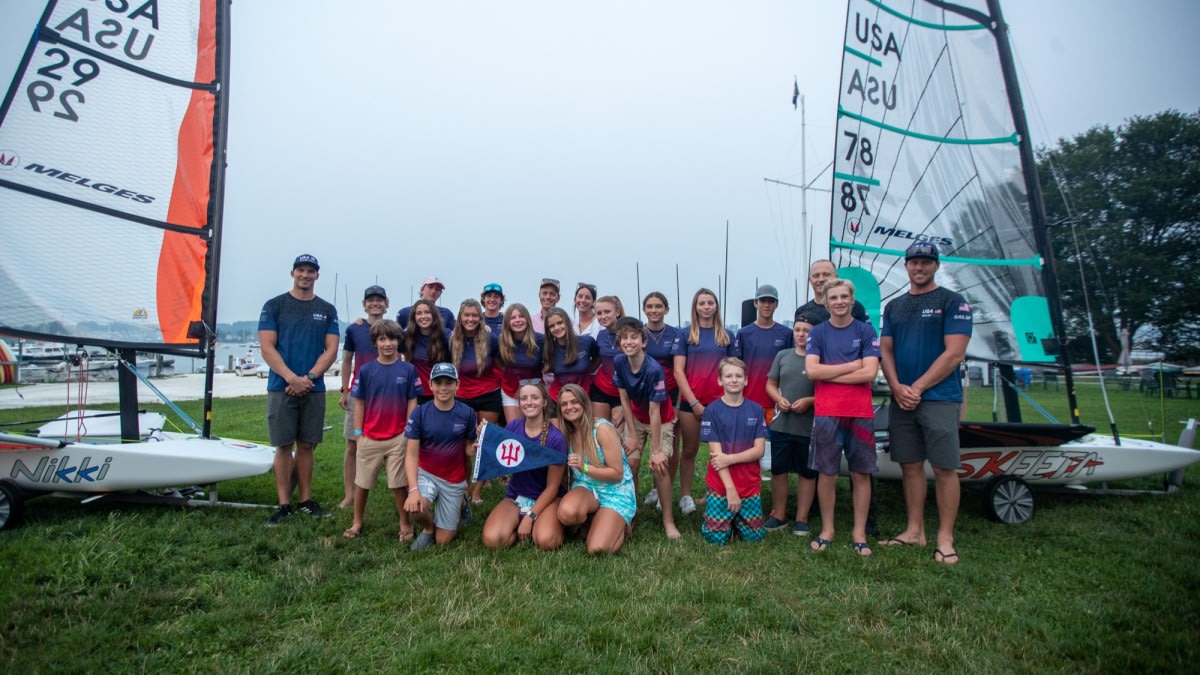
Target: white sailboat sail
[[107, 169], [927, 149]]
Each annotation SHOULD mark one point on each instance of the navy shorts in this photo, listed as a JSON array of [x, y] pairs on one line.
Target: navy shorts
[[789, 454]]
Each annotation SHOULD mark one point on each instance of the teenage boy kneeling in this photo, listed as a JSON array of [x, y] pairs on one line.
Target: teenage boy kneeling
[[736, 434]]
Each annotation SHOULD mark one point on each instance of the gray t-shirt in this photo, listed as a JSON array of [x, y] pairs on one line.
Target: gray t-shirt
[[788, 370]]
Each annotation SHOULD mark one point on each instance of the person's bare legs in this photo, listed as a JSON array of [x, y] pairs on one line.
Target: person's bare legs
[[862, 505], [804, 497], [349, 466], [826, 492], [547, 530], [576, 506], [284, 461], [406, 530], [500, 528], [662, 482], [689, 432], [915, 487], [304, 469], [948, 493], [608, 532], [360, 509], [779, 490]]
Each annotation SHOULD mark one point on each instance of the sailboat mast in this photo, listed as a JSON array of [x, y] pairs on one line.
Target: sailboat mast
[[216, 205], [1033, 188]]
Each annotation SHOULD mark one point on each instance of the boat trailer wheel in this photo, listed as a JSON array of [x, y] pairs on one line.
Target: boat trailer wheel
[[11, 502], [1009, 500]]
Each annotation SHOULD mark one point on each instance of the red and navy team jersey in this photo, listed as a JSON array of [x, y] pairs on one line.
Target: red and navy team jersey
[[644, 387], [580, 372], [447, 317], [663, 347], [385, 390], [420, 358], [444, 435], [758, 347], [736, 428], [606, 342], [918, 326], [476, 379], [835, 346], [702, 367], [358, 342], [523, 367]]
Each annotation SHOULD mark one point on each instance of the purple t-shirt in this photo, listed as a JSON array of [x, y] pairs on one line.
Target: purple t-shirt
[[358, 342], [443, 436], [703, 365], [385, 390], [648, 385], [580, 372], [758, 347], [835, 346], [531, 483], [664, 347], [736, 429]]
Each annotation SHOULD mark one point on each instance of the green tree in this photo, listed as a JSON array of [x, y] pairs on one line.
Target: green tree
[[1133, 195]]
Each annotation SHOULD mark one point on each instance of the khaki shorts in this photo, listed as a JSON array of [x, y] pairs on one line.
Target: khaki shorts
[[372, 454], [666, 436]]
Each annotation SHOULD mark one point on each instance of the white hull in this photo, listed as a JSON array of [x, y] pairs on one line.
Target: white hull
[[40, 465], [1092, 459]]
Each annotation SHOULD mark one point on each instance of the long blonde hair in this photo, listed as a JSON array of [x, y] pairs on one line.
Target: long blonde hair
[[719, 333], [579, 436], [509, 341], [458, 338]]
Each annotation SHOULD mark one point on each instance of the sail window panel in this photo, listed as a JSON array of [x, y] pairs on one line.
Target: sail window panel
[[118, 147], [75, 273], [160, 37]]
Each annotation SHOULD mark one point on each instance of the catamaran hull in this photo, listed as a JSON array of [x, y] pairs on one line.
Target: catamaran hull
[[1091, 459], [40, 466]]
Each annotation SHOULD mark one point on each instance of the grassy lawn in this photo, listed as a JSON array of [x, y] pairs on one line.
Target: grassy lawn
[[1092, 583]]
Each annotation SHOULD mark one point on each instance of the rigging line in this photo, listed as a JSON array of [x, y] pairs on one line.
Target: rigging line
[[202, 232], [925, 24], [46, 34], [997, 262]]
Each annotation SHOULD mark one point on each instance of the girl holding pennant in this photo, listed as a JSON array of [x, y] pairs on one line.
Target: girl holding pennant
[[603, 491], [530, 506]]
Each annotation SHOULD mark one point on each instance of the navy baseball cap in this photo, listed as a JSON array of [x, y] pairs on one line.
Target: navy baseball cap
[[375, 290], [922, 249], [443, 370], [306, 259]]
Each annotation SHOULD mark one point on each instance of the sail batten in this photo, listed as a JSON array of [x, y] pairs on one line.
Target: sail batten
[[108, 138]]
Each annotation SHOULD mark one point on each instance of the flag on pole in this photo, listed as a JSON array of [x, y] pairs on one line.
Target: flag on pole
[[502, 453], [795, 93]]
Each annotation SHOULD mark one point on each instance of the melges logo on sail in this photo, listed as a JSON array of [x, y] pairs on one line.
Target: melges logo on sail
[[87, 182], [915, 236]]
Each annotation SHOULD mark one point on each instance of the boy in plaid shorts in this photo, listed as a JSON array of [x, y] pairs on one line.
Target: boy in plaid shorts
[[736, 435]]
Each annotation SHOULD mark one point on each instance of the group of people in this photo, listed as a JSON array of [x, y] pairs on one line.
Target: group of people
[[603, 389]]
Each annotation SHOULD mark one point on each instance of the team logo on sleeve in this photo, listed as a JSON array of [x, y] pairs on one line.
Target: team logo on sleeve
[[751, 421], [660, 386], [510, 453]]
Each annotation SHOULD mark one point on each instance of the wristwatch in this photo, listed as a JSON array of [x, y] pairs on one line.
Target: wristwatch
[[532, 516], [312, 376]]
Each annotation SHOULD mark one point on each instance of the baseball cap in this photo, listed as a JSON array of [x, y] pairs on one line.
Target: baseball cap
[[306, 259], [767, 291], [922, 249], [443, 370], [375, 290], [547, 281], [433, 281], [493, 288]]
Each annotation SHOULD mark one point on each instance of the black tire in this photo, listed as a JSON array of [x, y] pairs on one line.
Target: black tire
[[1010, 500], [12, 503]]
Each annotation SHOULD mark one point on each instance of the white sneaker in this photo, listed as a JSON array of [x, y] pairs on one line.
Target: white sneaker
[[651, 497], [687, 505]]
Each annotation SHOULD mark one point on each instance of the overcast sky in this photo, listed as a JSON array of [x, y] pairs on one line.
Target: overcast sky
[[507, 141]]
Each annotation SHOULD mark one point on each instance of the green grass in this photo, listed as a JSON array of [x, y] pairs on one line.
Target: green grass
[[1092, 583]]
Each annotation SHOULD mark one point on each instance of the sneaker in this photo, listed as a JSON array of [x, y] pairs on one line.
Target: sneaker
[[774, 524], [800, 529], [687, 505], [465, 516], [281, 514], [312, 508], [651, 497], [423, 541]]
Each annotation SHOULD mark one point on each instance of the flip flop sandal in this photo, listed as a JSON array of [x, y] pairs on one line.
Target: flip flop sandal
[[944, 558], [862, 548], [819, 545], [351, 534], [405, 535]]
